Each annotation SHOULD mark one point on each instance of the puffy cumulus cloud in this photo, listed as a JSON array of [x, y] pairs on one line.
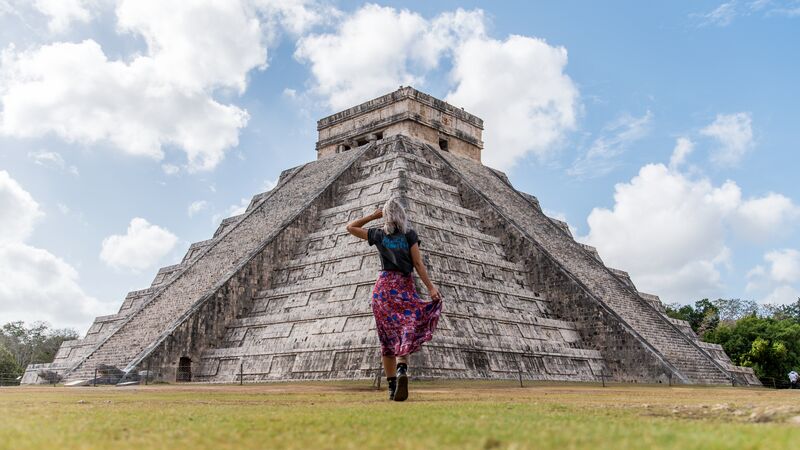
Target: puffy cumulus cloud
[[602, 156], [62, 13], [34, 283], [378, 48], [19, 210], [197, 45], [779, 281], [163, 97], [74, 91], [669, 231], [38, 285], [141, 247], [518, 86], [734, 133], [295, 16], [784, 265], [761, 218]]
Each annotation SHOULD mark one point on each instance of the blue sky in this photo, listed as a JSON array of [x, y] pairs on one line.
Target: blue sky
[[666, 134]]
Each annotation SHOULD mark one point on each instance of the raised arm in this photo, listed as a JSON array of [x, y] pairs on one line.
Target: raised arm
[[356, 227], [416, 258]]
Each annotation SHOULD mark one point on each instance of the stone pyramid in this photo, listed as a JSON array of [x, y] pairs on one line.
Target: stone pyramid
[[282, 291]]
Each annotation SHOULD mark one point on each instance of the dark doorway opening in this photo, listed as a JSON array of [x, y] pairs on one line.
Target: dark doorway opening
[[184, 369], [443, 144]]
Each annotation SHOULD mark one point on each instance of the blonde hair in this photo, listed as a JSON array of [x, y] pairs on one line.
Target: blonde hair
[[394, 217]]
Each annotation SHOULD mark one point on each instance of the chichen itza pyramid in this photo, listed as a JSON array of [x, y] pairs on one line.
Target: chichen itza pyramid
[[282, 291]]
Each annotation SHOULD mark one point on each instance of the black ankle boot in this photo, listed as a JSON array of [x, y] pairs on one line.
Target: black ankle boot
[[401, 392], [392, 386]]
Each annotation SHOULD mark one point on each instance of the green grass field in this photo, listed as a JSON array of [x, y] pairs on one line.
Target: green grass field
[[462, 415]]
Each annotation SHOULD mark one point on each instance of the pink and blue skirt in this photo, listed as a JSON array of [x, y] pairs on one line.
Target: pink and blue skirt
[[403, 320]]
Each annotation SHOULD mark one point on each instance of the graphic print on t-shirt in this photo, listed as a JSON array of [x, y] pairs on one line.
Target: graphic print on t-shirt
[[395, 242], [394, 249]]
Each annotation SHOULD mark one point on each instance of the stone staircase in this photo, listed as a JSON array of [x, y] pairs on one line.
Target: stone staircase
[[612, 289], [314, 321], [207, 266]]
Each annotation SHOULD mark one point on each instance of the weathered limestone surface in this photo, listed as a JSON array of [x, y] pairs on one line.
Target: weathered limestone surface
[[314, 321], [282, 291], [610, 290], [233, 247], [406, 112]]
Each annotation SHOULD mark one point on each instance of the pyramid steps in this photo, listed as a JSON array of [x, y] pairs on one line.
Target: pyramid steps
[[325, 289], [236, 241], [614, 291]]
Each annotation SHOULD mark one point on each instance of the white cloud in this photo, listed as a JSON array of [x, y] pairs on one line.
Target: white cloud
[[721, 16], [602, 156], [518, 86], [377, 49], [683, 147], [760, 219], [20, 212], [784, 265], [141, 247], [779, 283], [670, 231], [34, 283], [163, 97], [196, 207], [734, 133], [52, 159], [62, 13], [724, 14], [197, 45], [296, 16]]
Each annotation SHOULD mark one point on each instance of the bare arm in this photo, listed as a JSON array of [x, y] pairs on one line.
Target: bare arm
[[416, 258], [356, 227]]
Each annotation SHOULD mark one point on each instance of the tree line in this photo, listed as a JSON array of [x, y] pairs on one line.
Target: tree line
[[21, 345], [764, 337]]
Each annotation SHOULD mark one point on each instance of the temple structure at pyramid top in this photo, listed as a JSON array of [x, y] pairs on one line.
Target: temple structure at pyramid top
[[282, 291], [406, 112]]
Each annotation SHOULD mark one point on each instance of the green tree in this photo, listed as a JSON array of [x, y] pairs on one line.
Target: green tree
[[768, 345], [33, 344], [9, 369], [703, 317]]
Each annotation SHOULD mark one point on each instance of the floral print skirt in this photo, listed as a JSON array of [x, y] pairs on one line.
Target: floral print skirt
[[403, 320]]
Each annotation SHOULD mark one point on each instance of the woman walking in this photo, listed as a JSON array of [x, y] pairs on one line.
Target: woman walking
[[403, 320]]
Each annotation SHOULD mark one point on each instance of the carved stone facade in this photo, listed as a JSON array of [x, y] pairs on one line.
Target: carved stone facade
[[282, 291]]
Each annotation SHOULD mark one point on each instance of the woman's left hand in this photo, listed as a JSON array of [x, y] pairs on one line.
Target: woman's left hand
[[435, 295]]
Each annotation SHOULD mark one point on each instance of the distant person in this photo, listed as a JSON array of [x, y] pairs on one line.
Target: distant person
[[403, 320], [793, 376]]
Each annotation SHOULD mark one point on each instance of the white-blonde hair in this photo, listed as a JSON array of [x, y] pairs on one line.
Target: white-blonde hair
[[394, 217]]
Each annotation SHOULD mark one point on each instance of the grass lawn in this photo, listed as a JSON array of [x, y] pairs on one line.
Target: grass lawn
[[443, 414]]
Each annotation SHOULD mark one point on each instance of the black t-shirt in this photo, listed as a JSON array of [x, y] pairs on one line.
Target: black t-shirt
[[395, 249]]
